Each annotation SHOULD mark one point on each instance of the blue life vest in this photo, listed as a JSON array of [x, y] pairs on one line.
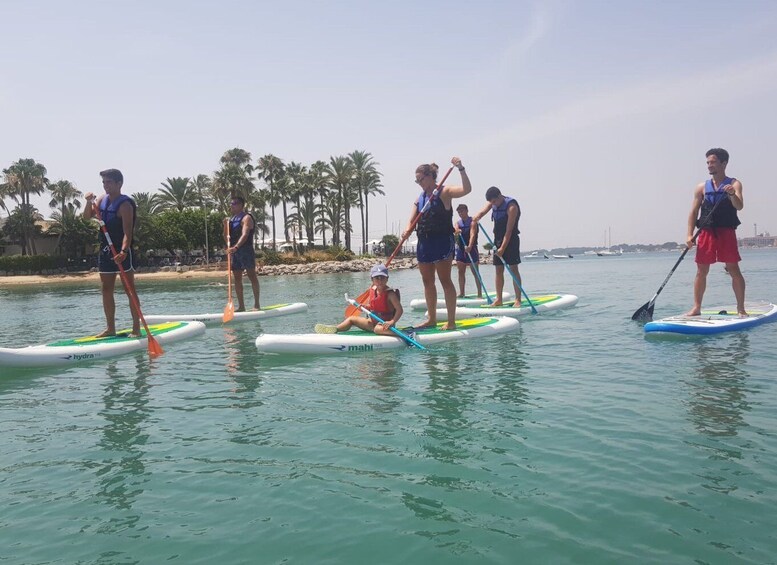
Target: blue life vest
[[466, 229], [437, 220], [725, 215], [236, 229], [109, 212], [499, 216]]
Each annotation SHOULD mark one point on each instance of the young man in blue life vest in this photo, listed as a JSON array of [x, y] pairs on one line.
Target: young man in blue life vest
[[505, 212], [383, 302], [118, 213], [466, 230], [717, 241], [241, 235]]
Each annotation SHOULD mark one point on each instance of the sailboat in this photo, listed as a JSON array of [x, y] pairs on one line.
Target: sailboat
[[608, 252]]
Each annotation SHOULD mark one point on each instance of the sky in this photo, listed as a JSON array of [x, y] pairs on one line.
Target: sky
[[594, 115]]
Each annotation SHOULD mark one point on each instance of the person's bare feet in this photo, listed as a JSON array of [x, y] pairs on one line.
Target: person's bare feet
[[496, 303], [448, 326], [425, 324], [742, 314], [106, 333], [694, 312]]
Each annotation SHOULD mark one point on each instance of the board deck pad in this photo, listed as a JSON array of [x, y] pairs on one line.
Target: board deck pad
[[716, 319]]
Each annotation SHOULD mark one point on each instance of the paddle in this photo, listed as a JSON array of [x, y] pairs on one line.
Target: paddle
[[229, 309], [475, 268], [154, 349], [351, 310], [377, 318], [645, 312], [507, 268]]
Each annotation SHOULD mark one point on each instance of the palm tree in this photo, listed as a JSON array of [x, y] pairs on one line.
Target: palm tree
[[319, 185], [177, 194], [146, 206], [74, 232], [24, 178], [6, 191], [340, 179], [366, 182], [22, 227], [202, 184], [62, 194], [271, 169]]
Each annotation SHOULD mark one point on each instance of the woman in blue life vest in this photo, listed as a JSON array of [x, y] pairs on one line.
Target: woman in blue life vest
[[435, 238], [466, 247], [505, 212], [383, 301], [117, 211], [241, 237]]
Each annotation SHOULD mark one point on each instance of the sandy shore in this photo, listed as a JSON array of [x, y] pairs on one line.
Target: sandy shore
[[183, 273]]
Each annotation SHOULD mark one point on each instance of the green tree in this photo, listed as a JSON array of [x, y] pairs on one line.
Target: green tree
[[320, 186], [177, 194], [75, 234], [366, 180], [63, 193], [21, 225], [340, 178], [271, 169], [390, 242], [24, 178]]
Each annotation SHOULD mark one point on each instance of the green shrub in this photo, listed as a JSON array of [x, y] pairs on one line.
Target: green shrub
[[31, 263]]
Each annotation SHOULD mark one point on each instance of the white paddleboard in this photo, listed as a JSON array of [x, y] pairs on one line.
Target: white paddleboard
[[266, 312], [359, 341], [716, 319], [542, 303], [90, 348], [466, 300]]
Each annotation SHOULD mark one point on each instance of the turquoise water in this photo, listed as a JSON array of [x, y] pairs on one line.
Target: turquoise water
[[575, 440]]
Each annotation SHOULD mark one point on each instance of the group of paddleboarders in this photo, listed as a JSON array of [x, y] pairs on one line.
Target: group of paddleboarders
[[440, 240], [118, 213]]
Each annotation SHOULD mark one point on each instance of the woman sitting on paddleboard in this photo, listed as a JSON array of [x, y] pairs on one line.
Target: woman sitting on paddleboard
[[435, 238], [383, 302]]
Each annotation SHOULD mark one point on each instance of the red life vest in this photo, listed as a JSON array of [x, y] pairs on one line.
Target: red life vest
[[379, 304]]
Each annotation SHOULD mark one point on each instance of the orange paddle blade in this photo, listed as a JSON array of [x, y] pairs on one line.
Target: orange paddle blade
[[154, 349], [229, 312], [361, 299]]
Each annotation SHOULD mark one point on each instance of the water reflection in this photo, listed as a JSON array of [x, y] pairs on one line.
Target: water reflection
[[718, 392], [383, 373], [123, 472]]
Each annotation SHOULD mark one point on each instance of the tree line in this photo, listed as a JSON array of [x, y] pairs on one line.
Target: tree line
[[186, 212]]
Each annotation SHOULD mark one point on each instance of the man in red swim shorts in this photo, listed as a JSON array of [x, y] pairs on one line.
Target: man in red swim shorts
[[718, 200]]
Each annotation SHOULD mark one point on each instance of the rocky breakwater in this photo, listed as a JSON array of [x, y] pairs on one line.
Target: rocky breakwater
[[354, 266]]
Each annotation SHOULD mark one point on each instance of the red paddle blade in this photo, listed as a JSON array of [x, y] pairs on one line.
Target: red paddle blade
[[229, 312], [361, 299], [154, 349]]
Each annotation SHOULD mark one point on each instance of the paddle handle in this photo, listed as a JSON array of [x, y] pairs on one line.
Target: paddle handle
[[507, 268], [477, 270], [378, 319]]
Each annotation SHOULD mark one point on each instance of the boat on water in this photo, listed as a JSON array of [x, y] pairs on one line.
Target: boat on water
[[562, 256], [536, 255], [609, 253]]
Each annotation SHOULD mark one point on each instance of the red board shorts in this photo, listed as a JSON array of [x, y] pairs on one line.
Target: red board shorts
[[717, 245]]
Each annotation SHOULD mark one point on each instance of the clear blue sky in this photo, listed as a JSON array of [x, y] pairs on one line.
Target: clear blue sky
[[592, 114]]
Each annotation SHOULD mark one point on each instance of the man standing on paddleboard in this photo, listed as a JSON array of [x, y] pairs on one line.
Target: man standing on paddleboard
[[505, 212], [241, 234], [718, 199], [118, 212]]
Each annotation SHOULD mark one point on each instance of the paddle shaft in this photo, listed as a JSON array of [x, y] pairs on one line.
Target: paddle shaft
[[476, 269], [130, 289], [378, 319], [680, 259], [507, 268]]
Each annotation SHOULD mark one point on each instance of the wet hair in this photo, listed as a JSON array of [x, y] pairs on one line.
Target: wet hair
[[493, 192], [461, 207], [239, 199], [721, 154], [430, 169], [113, 174]]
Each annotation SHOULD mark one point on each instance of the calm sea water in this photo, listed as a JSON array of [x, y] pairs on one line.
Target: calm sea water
[[575, 440]]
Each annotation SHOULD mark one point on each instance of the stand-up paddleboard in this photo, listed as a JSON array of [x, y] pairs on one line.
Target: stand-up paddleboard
[[466, 300], [90, 348], [267, 312], [717, 320], [360, 341], [542, 303]]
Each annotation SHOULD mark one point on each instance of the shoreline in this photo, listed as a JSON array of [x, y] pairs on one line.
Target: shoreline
[[207, 273]]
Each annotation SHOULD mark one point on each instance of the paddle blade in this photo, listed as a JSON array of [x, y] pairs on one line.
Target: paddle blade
[[229, 312], [644, 313], [154, 349], [361, 299]]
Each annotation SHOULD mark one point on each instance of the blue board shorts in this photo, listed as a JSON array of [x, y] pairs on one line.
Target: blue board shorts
[[512, 254], [106, 264], [462, 257], [244, 259], [433, 248]]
